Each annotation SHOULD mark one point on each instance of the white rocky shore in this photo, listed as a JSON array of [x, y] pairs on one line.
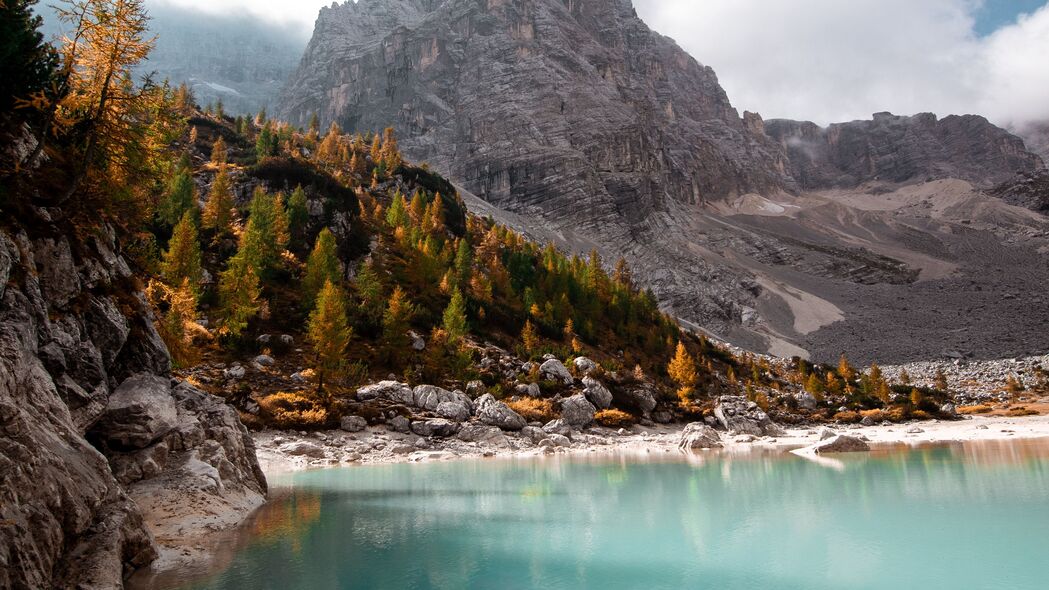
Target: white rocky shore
[[281, 452]]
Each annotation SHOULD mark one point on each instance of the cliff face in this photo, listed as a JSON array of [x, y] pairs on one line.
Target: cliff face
[[573, 122], [896, 149], [93, 433]]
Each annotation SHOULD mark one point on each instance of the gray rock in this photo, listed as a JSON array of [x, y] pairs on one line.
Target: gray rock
[[914, 430], [558, 427], [533, 434], [557, 440], [303, 448], [399, 424], [841, 443], [826, 433], [263, 338], [739, 416], [235, 372], [806, 401], [528, 389], [554, 370], [867, 421], [476, 432], [139, 412], [584, 365], [428, 397], [698, 435], [438, 427], [495, 413], [475, 389], [454, 410], [577, 412], [264, 360], [639, 399], [949, 409], [597, 393], [352, 423], [388, 390]]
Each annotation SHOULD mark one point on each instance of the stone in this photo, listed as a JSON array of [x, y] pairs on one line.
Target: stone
[[533, 433], [826, 433], [558, 440], [698, 435], [353, 423], [841, 443], [235, 372], [303, 448], [806, 401], [428, 397], [476, 432], [418, 342], [739, 416], [454, 410], [558, 426], [597, 393], [528, 389], [475, 389], [554, 370], [639, 399], [949, 409], [264, 360], [584, 365], [438, 427], [867, 421], [399, 424], [140, 411], [495, 413], [389, 390], [263, 339], [577, 412], [914, 430]]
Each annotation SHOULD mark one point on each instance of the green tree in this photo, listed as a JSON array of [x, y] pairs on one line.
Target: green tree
[[27, 64], [454, 320], [239, 294], [260, 243], [298, 214], [370, 292], [266, 143], [179, 197], [397, 214], [330, 333], [396, 320], [217, 208], [182, 259], [322, 267]]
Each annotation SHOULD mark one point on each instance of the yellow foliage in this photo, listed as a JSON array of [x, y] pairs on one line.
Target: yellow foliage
[[614, 419], [534, 410]]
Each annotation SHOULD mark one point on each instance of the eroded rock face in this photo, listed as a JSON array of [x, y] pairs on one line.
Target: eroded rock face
[[70, 373]]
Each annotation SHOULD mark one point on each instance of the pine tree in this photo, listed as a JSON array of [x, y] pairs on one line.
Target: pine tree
[[218, 152], [454, 320], [530, 337], [239, 294], [369, 290], [217, 209], [180, 197], [27, 64], [396, 319], [397, 214], [281, 225], [298, 214], [330, 334], [322, 267], [905, 377], [815, 387], [916, 397], [182, 259], [315, 122], [682, 369], [463, 262], [940, 380], [845, 370], [260, 243]]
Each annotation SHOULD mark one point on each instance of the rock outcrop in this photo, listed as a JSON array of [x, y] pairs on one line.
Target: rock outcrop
[[572, 122], [99, 452]]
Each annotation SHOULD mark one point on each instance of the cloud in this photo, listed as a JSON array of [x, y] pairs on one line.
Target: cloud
[[828, 60], [298, 16]]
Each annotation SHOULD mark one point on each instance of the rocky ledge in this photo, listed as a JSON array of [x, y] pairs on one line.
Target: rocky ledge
[[105, 462]]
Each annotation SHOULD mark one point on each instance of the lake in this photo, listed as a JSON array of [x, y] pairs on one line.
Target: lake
[[958, 516]]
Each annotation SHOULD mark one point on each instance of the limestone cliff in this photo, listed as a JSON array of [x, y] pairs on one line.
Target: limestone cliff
[[93, 432]]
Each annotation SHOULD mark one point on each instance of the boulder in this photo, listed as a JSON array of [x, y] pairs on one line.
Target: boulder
[[533, 433], [399, 424], [638, 399], [140, 411], [558, 427], [353, 423], [528, 389], [949, 409], [584, 365], [495, 413], [393, 391], [577, 412], [454, 410], [558, 440], [476, 432], [737, 415], [554, 370], [438, 427], [264, 360], [598, 394], [235, 372], [827, 433], [698, 435], [428, 397], [806, 401], [475, 389], [841, 443], [302, 448]]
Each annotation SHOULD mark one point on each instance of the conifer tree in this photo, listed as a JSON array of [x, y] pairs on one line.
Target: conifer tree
[[218, 152], [239, 294], [463, 262], [845, 370], [940, 380], [322, 266], [815, 387], [217, 208], [180, 197], [530, 337], [281, 225], [454, 320], [330, 334], [905, 377], [298, 214], [182, 259], [396, 319], [682, 369], [369, 290], [315, 122], [916, 397], [260, 243], [27, 63], [397, 214]]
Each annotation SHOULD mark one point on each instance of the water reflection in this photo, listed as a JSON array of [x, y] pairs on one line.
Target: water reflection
[[932, 517]]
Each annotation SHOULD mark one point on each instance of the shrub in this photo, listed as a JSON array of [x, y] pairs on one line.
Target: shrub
[[614, 419], [876, 415], [1019, 411], [921, 415], [979, 409], [290, 410], [533, 409], [847, 417]]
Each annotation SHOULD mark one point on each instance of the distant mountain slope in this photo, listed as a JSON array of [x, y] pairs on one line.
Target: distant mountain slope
[[574, 120]]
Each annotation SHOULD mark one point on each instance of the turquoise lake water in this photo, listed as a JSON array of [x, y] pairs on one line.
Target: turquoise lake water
[[973, 517]]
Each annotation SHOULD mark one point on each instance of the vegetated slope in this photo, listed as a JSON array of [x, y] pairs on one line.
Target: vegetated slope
[[577, 121]]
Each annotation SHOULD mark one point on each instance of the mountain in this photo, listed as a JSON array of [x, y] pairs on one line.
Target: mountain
[[240, 59], [1036, 135], [574, 122]]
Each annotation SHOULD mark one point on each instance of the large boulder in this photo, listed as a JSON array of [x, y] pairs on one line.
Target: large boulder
[[387, 390], [302, 448], [584, 365], [806, 401], [577, 412], [428, 397], [495, 413], [841, 443], [438, 427], [555, 370], [454, 410], [737, 415], [639, 399], [598, 394], [698, 435], [476, 432], [140, 411], [352, 423]]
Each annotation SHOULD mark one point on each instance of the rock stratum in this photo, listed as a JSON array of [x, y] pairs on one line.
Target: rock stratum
[[106, 463], [572, 121]]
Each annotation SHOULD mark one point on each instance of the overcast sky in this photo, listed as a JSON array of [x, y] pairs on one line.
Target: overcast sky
[[835, 60]]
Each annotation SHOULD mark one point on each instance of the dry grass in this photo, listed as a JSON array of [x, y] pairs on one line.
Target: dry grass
[[534, 410], [876, 415], [980, 409], [293, 411], [847, 417], [614, 419], [1019, 411]]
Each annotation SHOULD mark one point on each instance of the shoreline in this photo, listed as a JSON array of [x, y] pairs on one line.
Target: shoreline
[[378, 446]]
